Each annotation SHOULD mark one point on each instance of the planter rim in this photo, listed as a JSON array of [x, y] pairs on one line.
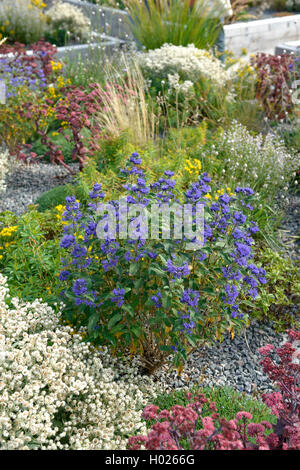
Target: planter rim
[[107, 40]]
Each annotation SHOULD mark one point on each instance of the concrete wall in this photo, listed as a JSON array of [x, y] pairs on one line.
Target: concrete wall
[[262, 35], [84, 52], [255, 36], [105, 20]]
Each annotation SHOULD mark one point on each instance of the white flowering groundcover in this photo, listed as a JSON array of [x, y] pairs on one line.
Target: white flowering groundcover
[[261, 161], [58, 393], [181, 67]]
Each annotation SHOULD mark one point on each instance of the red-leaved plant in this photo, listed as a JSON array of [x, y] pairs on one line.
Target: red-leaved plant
[[184, 427], [275, 77], [76, 113]]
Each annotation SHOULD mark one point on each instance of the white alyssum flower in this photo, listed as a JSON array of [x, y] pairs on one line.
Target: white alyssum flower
[[56, 392], [174, 83], [65, 16], [258, 160], [188, 65]]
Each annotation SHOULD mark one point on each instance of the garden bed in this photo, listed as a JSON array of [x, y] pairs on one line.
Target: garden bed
[[118, 332]]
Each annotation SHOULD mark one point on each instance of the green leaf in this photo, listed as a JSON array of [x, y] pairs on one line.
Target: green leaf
[[133, 269], [92, 321], [128, 309], [114, 319], [136, 330]]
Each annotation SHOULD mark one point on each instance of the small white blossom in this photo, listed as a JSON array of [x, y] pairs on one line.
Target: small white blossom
[[67, 16], [182, 67], [56, 392]]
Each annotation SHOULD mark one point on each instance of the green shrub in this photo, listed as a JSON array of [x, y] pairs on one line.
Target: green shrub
[[151, 23], [186, 83], [65, 145], [281, 291], [66, 23], [291, 136], [54, 197], [228, 402], [30, 253], [134, 294]]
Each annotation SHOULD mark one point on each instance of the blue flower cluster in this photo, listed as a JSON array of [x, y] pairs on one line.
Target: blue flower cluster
[[188, 324], [224, 221], [17, 74], [156, 298], [177, 271], [102, 272], [118, 296]]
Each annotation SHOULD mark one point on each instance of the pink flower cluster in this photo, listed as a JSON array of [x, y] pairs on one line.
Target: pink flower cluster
[[186, 424]]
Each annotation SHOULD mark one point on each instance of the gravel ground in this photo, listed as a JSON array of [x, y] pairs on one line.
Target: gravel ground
[[290, 234], [234, 362], [25, 183]]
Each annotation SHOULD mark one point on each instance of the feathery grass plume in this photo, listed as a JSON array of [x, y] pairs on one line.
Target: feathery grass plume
[[126, 107], [178, 22]]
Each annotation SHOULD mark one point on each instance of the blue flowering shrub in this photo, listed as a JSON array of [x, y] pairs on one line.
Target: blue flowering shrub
[[158, 298]]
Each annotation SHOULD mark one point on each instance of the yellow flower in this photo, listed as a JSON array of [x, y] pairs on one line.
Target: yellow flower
[[8, 231], [193, 166], [38, 3], [56, 66]]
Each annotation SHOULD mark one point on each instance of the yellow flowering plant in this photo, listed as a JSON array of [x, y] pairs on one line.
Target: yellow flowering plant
[[7, 238], [29, 252]]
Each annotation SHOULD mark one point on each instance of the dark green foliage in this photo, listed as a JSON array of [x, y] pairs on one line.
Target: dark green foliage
[[54, 197], [228, 402]]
